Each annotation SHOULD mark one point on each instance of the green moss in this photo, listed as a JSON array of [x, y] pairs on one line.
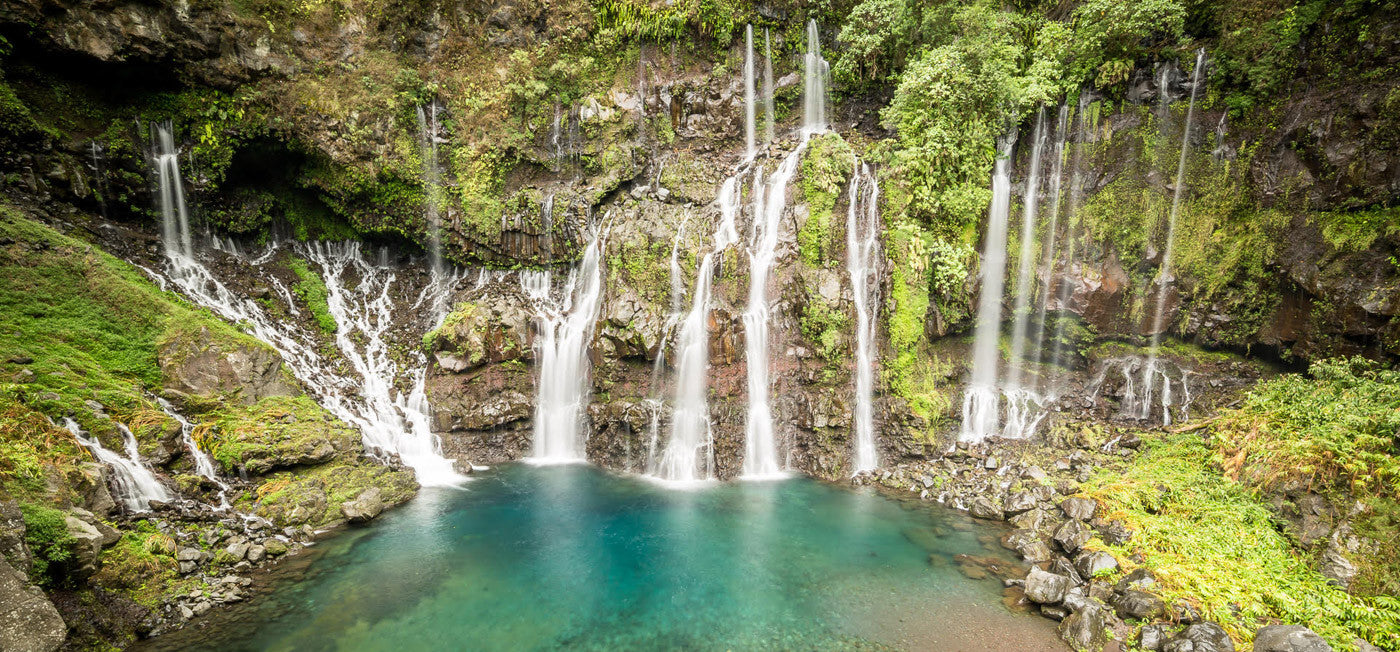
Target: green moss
[[1357, 230], [276, 432], [141, 564], [312, 290], [825, 326], [46, 534], [826, 166]]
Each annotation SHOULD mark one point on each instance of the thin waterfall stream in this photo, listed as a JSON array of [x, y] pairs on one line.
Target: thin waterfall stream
[[862, 245]]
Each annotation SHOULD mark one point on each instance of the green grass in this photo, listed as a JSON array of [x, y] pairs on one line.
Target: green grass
[[49, 542], [312, 290], [1212, 541]]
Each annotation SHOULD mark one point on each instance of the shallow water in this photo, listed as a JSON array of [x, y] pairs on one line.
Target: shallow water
[[531, 558]]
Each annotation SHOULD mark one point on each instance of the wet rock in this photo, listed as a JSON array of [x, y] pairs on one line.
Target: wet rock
[[1152, 637], [1020, 503], [205, 364], [1062, 566], [1045, 588], [1289, 638], [1084, 629], [275, 547], [1139, 605], [364, 507], [1202, 637], [88, 549], [1072, 536], [983, 507], [1140, 579], [256, 553], [28, 621], [1081, 509], [1054, 611], [1092, 563], [1028, 544], [1115, 533], [1034, 519]]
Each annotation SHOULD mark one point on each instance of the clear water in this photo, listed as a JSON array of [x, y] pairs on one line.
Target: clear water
[[571, 557]]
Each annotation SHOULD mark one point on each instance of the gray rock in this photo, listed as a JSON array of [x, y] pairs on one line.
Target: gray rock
[[88, 550], [1031, 520], [1029, 545], [1140, 579], [1062, 566], [237, 550], [1054, 611], [1045, 588], [1289, 638], [275, 547], [1092, 563], [1204, 637], [1115, 533], [364, 507], [12, 529], [1152, 637], [1084, 629], [256, 553], [187, 567], [1179, 645], [1072, 536], [28, 621], [188, 554], [1139, 605], [1079, 508], [984, 508], [1020, 503]]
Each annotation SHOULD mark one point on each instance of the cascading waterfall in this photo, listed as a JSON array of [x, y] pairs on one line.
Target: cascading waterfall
[[862, 241], [174, 217], [750, 118], [770, 202], [1047, 265], [769, 122], [814, 75], [1022, 404], [1149, 371], [688, 455], [981, 401], [135, 485], [565, 330], [395, 424], [203, 464]]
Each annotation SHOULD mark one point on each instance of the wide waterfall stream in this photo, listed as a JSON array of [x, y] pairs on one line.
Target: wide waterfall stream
[[572, 557]]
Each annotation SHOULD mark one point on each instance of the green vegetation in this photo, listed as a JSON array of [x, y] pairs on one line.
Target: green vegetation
[[826, 167], [1212, 541], [312, 290], [46, 534], [141, 564], [826, 326], [32, 450]]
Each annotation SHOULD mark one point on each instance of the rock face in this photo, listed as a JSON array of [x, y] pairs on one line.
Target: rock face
[[28, 621], [1289, 638], [199, 363], [1045, 588]]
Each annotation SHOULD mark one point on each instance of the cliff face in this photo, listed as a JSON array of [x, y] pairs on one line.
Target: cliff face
[[510, 129]]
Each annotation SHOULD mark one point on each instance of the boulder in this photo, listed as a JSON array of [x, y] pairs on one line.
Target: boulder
[[87, 552], [256, 553], [1115, 533], [1020, 503], [1139, 605], [982, 507], [205, 364], [1081, 509], [364, 507], [1072, 536], [28, 621], [275, 547], [12, 528], [1028, 544], [1289, 638], [1031, 520], [1203, 637], [237, 551], [1045, 588], [1062, 566], [1084, 629], [1091, 563], [1152, 637]]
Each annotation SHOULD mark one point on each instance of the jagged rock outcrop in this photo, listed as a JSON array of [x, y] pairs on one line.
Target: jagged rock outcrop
[[204, 364], [28, 621]]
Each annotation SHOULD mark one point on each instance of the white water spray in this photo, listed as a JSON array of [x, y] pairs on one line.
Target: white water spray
[[1047, 265], [750, 128], [565, 331], [815, 74], [981, 400], [174, 218], [134, 484], [1023, 404], [862, 241]]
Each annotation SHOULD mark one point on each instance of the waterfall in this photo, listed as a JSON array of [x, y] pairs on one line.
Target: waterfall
[[1022, 404], [203, 464], [1164, 277], [135, 485], [769, 121], [565, 331], [815, 72], [862, 240], [688, 455], [432, 185], [749, 94], [980, 410], [174, 217], [1076, 198], [1047, 265], [770, 201]]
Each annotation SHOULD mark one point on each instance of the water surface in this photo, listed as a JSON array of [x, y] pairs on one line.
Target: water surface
[[572, 557]]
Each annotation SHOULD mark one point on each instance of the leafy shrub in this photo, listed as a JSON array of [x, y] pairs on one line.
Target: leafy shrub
[[46, 534]]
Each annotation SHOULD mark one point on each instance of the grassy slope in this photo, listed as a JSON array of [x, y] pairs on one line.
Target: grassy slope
[[1214, 540]]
